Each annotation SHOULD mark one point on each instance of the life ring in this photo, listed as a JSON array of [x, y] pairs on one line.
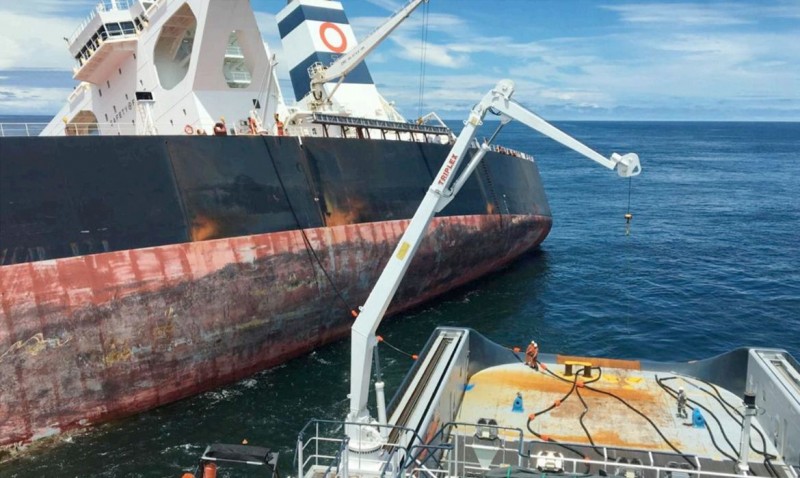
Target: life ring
[[188, 129], [323, 29]]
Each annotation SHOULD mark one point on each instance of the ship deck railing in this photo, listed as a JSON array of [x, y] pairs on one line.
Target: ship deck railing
[[21, 129], [511, 449], [69, 129], [354, 127], [572, 467], [362, 128], [322, 452], [101, 6]]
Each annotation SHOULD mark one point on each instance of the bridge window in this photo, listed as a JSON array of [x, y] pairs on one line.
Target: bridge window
[[113, 29]]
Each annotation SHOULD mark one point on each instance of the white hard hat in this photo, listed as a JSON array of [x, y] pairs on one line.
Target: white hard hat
[[680, 389]]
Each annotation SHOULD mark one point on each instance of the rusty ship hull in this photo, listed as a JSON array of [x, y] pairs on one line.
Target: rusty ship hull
[[172, 265]]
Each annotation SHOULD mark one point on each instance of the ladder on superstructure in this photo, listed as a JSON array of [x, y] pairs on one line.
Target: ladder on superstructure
[[144, 108]]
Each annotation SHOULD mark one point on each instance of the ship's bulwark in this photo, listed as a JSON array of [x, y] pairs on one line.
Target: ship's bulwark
[[231, 285]]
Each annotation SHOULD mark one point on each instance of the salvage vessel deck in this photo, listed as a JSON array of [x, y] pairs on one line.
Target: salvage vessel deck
[[470, 407], [626, 412]]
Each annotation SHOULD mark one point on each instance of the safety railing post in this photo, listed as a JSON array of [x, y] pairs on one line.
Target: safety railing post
[[300, 456], [2, 132], [456, 453], [345, 459], [27, 131]]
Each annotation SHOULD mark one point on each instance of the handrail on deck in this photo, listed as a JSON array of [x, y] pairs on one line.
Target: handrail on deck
[[68, 129], [306, 438], [447, 460], [100, 7]]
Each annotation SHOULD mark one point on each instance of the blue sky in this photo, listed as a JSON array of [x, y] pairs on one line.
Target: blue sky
[[570, 59]]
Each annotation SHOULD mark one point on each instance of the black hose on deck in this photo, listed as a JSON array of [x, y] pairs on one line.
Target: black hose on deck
[[548, 439], [586, 430], [655, 427], [603, 392], [763, 452], [727, 406], [674, 394]]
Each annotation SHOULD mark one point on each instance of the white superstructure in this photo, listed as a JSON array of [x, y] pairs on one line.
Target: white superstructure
[[191, 63], [201, 67]]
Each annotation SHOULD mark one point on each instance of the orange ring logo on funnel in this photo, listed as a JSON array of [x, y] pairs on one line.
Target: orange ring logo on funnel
[[323, 30]]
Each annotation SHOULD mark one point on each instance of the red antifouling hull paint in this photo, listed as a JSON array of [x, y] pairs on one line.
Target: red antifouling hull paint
[[92, 338]]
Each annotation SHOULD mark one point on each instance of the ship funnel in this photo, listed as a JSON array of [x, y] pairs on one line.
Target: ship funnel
[[316, 31]]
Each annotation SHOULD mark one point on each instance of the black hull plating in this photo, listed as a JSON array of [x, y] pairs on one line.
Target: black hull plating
[[71, 196]]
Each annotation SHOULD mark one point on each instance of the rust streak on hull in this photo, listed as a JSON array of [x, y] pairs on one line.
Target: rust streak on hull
[[92, 338]]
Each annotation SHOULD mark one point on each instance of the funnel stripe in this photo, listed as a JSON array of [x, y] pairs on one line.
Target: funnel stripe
[[306, 13]]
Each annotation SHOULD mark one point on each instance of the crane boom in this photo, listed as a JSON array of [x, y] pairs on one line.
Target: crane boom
[[439, 194], [321, 74]]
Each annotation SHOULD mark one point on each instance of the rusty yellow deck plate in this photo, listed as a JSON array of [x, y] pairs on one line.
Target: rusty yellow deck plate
[[491, 394]]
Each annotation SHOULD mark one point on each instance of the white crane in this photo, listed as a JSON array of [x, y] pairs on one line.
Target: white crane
[[321, 74], [443, 189]]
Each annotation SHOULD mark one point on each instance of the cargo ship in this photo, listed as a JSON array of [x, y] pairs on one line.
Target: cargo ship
[[178, 225], [469, 407]]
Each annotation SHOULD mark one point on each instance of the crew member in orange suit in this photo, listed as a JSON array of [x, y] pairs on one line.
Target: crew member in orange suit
[[531, 354]]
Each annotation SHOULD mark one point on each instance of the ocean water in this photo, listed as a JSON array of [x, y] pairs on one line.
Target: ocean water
[[712, 263]]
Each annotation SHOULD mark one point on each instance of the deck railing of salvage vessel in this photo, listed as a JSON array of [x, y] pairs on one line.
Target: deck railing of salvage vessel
[[444, 455], [323, 453]]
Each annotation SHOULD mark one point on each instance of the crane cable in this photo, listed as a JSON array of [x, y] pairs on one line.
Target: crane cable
[[309, 247], [396, 349], [628, 215], [422, 58]]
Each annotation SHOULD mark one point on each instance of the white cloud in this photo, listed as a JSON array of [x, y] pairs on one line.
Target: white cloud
[[679, 14], [412, 26], [389, 5], [50, 7], [438, 55], [32, 100], [584, 99], [30, 40]]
